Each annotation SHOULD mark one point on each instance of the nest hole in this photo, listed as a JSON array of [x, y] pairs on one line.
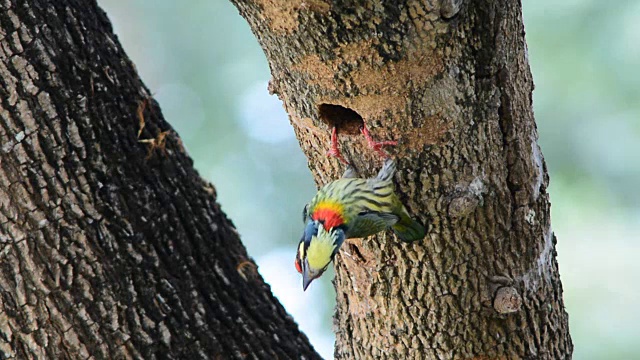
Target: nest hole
[[347, 121]]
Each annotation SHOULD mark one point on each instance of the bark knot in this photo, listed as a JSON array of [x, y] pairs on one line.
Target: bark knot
[[505, 298]]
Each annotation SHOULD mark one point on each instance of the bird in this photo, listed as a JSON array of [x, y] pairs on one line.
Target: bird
[[375, 145], [351, 207]]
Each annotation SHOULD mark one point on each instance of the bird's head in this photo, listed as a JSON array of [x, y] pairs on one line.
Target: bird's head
[[316, 250]]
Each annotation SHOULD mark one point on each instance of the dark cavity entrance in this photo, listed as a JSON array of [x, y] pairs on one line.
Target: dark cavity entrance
[[347, 121]]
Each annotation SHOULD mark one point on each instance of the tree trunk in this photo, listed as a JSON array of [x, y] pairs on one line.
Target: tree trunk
[[111, 245], [451, 82]]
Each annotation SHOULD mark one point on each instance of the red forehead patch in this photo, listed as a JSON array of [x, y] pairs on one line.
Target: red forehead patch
[[329, 217]]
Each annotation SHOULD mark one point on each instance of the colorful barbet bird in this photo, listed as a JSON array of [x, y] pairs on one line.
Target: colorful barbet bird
[[351, 207]]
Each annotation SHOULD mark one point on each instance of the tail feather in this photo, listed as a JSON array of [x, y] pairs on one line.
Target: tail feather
[[387, 171], [350, 172], [409, 230]]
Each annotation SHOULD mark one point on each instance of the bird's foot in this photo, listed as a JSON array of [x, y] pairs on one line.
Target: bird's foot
[[376, 145], [333, 149]]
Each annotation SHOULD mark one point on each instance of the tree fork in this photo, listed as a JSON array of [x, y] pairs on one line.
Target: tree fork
[[449, 80], [111, 245]]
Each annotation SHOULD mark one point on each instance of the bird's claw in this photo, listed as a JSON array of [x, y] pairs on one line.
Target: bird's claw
[[335, 153], [333, 149], [377, 145]]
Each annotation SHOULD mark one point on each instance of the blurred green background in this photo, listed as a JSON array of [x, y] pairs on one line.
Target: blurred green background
[[210, 76]]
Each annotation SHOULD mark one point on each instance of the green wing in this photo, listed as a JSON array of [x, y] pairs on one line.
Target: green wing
[[370, 223]]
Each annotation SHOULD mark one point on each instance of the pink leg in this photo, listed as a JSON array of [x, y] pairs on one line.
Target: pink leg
[[376, 145], [333, 150]]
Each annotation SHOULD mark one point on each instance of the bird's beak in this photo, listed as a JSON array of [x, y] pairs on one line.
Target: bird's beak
[[306, 280]]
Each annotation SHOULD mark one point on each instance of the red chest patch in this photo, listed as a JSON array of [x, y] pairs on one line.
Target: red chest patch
[[329, 217]]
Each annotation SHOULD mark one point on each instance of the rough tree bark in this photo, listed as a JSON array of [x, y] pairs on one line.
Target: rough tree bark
[[111, 245], [450, 81]]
